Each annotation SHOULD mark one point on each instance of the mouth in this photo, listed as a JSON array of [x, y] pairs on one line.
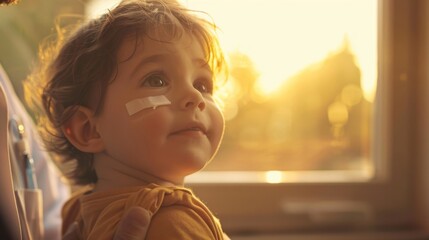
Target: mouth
[[193, 129]]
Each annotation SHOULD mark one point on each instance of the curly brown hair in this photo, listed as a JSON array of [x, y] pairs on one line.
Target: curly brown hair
[[80, 67]]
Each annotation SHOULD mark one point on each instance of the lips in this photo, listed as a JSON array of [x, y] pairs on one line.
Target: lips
[[192, 129]]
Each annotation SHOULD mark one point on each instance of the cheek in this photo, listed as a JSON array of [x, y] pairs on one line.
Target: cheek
[[218, 124], [152, 122], [130, 139], [148, 131]]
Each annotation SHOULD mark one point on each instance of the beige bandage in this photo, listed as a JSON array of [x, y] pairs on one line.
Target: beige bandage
[[139, 104]]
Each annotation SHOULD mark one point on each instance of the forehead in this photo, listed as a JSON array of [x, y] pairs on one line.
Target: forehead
[[143, 45]]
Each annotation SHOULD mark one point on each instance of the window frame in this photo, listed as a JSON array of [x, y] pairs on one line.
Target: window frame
[[385, 201]]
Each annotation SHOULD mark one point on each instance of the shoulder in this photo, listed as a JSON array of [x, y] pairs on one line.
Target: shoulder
[[180, 222]]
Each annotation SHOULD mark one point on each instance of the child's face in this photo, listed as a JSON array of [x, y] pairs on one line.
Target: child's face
[[171, 141]]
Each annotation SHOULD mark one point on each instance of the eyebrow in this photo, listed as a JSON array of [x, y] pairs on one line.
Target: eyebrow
[[150, 59], [202, 63]]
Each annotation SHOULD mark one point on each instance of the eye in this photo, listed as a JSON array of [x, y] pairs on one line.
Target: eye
[[204, 86], [155, 81]]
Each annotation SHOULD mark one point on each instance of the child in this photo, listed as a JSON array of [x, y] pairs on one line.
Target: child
[[129, 99]]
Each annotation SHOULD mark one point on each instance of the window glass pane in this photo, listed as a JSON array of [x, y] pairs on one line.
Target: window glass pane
[[302, 83]]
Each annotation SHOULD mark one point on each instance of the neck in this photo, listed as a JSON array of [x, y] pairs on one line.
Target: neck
[[114, 174]]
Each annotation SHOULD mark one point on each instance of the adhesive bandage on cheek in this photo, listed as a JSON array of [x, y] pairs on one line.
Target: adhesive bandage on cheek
[[139, 104]]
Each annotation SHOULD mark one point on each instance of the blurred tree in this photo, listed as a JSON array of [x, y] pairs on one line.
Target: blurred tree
[[311, 92], [293, 129], [309, 97]]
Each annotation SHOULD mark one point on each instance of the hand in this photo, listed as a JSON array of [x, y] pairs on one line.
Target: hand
[[133, 226]]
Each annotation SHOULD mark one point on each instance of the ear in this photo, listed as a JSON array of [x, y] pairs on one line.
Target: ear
[[81, 131]]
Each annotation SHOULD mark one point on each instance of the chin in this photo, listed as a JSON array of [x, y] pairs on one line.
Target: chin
[[193, 166]]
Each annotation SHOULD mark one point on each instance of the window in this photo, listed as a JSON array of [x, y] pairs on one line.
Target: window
[[331, 155], [317, 109]]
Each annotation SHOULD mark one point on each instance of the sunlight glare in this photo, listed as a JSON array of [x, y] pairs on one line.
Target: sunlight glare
[[273, 176], [95, 8]]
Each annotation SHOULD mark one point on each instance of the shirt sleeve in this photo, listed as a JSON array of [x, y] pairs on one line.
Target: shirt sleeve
[[178, 222]]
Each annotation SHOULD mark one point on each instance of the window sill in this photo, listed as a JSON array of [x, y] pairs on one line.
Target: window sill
[[391, 235]]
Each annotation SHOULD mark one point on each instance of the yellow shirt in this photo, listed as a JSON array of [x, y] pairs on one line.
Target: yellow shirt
[[176, 213]]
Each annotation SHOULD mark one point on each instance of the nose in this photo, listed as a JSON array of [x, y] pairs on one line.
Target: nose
[[192, 99]]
